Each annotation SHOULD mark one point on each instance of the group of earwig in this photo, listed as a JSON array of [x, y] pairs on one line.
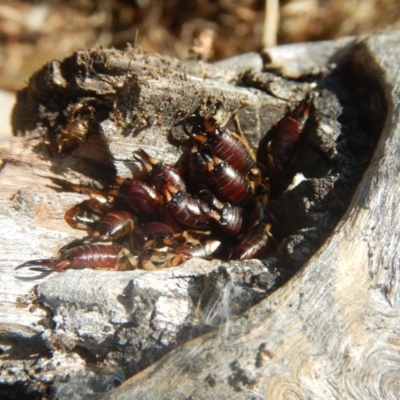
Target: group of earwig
[[213, 205]]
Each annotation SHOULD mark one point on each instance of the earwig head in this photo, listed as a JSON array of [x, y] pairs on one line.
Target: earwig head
[[198, 125]]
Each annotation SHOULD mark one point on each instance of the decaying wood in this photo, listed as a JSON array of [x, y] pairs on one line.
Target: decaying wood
[[110, 325], [332, 330]]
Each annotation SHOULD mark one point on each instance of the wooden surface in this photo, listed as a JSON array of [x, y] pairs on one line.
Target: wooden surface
[[332, 331]]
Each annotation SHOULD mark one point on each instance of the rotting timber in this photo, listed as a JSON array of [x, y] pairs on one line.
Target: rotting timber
[[137, 100]]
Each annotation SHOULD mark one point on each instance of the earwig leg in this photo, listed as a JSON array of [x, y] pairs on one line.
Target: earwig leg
[[126, 261], [241, 137], [177, 260]]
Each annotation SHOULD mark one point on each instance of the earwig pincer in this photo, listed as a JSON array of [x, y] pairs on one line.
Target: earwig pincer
[[233, 220], [86, 214], [197, 171]]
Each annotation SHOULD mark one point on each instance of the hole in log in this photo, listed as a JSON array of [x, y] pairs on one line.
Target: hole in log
[[141, 108]]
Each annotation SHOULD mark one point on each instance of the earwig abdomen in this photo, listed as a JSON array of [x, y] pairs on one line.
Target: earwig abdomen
[[75, 132], [190, 211], [164, 176], [254, 244], [223, 145], [289, 133], [154, 234], [116, 224], [230, 150], [233, 220], [95, 256], [229, 184], [140, 197], [202, 251], [197, 172]]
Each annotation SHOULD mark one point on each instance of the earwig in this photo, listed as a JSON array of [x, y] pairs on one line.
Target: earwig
[[95, 256], [223, 145], [161, 174], [86, 214], [153, 259], [202, 251], [197, 171], [232, 219], [229, 184], [139, 196], [290, 132], [254, 244], [74, 133], [115, 225], [189, 210], [154, 235]]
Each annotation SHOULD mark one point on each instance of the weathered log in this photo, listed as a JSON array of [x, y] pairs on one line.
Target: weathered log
[[113, 324], [332, 330]]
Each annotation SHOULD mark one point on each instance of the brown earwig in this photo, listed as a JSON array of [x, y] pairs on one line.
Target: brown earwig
[[197, 171], [154, 235], [140, 196], [254, 244], [153, 259], [86, 214], [232, 219], [189, 210], [224, 146], [73, 133], [95, 256], [202, 251], [229, 184], [161, 174], [290, 132], [115, 225]]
